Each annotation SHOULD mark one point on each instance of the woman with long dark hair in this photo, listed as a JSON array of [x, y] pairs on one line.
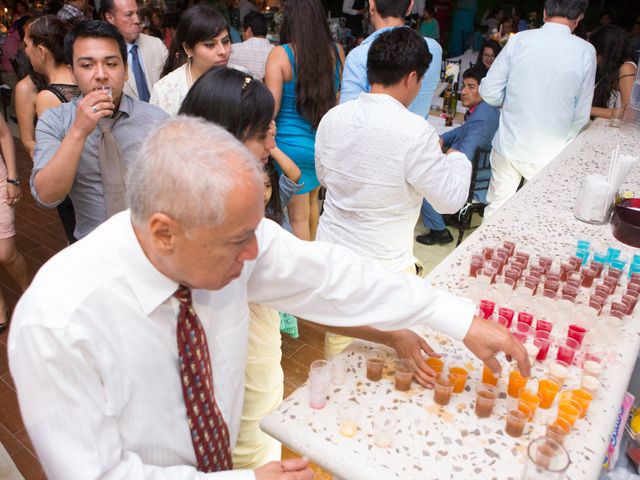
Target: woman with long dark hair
[[44, 45], [201, 41], [304, 76], [615, 72], [244, 107], [486, 56]]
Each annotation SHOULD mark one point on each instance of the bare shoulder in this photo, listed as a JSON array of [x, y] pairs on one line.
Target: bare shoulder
[[278, 55], [26, 87], [628, 68]]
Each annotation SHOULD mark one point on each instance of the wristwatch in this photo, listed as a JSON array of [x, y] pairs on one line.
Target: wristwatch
[[14, 181]]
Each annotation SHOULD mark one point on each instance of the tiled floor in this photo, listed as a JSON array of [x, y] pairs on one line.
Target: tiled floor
[[39, 237]]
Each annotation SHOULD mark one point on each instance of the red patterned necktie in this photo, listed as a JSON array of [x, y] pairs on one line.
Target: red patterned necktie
[[209, 432]]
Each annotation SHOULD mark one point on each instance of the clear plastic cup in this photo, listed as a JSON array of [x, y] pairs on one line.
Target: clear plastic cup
[[348, 414], [385, 426], [319, 383]]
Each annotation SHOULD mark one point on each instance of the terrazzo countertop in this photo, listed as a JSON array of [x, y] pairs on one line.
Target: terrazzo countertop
[[451, 442]]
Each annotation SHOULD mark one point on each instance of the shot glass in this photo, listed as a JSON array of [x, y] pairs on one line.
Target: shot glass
[[577, 332], [558, 430], [616, 117], [546, 459], [488, 377], [558, 370], [516, 419], [584, 398], [542, 340], [593, 364], [375, 364], [443, 389], [590, 384], [569, 410], [486, 308], [459, 377], [106, 89], [521, 331], [525, 317], [348, 413], [385, 426], [436, 363], [485, 400], [548, 388], [404, 374], [567, 350], [588, 276], [319, 382], [508, 314], [531, 399], [475, 265], [338, 371], [516, 382]]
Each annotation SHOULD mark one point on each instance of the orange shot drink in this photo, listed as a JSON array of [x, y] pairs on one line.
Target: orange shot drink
[[436, 363], [531, 399], [584, 399], [516, 383], [488, 377], [459, 377], [569, 410], [548, 389]]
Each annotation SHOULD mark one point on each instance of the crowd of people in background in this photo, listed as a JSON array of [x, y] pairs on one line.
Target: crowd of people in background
[[93, 81]]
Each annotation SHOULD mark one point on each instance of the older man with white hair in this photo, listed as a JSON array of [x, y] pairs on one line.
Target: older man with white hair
[[133, 366]]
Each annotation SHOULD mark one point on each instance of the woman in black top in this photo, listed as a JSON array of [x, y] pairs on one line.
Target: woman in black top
[[44, 45]]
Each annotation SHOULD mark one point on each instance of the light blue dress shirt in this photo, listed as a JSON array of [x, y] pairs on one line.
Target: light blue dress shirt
[[544, 81], [354, 76]]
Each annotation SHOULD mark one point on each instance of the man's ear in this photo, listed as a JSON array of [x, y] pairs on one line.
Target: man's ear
[[163, 231]]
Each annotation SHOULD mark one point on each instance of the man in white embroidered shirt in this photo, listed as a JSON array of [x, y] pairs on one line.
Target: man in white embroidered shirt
[[378, 160], [103, 360], [253, 52], [543, 80]]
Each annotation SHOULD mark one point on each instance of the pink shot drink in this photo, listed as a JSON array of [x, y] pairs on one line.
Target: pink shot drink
[[543, 342], [543, 326], [506, 313], [525, 317], [486, 308], [567, 350], [577, 332]]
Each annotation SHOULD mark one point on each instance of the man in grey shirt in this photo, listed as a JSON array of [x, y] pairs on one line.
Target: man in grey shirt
[[66, 160]]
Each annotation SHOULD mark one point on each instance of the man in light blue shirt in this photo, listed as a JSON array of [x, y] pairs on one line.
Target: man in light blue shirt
[[385, 15], [543, 80]]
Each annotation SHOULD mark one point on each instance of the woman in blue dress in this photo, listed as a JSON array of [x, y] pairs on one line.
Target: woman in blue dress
[[304, 76]]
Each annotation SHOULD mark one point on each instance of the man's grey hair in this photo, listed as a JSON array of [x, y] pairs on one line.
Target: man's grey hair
[[186, 169], [570, 9]]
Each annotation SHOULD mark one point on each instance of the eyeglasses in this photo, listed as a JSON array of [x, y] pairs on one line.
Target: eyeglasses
[[489, 56]]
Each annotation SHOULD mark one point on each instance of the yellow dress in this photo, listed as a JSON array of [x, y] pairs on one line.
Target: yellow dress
[[263, 391]]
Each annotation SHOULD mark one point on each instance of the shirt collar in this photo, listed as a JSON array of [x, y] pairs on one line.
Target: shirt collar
[[556, 26], [375, 35], [150, 287]]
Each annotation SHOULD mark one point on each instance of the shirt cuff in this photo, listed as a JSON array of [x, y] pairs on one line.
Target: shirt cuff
[[34, 194], [452, 315]]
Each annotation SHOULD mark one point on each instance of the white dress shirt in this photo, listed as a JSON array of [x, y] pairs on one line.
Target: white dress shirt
[[93, 352], [377, 161], [252, 54], [544, 81]]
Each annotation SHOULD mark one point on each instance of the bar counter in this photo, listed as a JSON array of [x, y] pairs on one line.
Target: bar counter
[[451, 442]]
